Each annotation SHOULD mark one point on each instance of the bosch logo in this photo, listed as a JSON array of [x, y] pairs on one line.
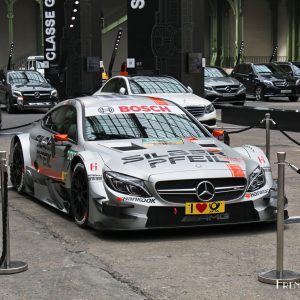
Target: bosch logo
[[37, 95], [106, 110], [228, 89], [138, 4], [205, 191]]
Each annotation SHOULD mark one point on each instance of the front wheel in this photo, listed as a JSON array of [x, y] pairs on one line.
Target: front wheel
[[80, 195], [17, 169], [293, 98], [259, 93]]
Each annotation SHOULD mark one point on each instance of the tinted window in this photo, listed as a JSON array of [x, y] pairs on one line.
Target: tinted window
[[63, 120], [286, 68], [153, 85], [112, 86], [214, 73], [239, 69]]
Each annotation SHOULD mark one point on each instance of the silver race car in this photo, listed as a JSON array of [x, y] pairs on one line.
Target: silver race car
[[133, 162]]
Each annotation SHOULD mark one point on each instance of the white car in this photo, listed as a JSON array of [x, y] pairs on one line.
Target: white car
[[165, 87]]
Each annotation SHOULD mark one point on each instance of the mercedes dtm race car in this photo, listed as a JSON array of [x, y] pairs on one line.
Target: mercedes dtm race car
[[133, 162]]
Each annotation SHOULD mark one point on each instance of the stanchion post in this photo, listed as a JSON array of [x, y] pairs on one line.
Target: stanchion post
[[268, 134], [8, 266], [279, 276]]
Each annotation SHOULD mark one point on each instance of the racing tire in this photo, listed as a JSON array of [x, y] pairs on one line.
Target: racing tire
[[9, 107], [17, 168], [259, 93], [80, 195], [293, 98]]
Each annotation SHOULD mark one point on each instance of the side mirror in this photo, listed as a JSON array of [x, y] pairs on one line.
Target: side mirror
[[190, 89], [122, 91], [221, 135], [61, 140]]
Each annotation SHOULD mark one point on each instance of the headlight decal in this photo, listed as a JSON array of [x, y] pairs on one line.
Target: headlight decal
[[257, 179], [125, 184]]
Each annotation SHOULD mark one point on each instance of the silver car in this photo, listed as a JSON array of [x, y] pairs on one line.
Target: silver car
[[220, 88], [130, 162]]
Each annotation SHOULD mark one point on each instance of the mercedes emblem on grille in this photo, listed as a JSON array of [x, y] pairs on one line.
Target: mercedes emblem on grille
[[228, 89], [37, 95], [205, 191]]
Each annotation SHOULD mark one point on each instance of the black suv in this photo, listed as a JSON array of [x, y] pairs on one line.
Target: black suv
[[291, 68], [26, 89], [267, 80]]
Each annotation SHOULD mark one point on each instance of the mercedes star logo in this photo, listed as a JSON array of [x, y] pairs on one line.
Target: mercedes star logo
[[228, 89], [37, 95], [106, 110], [205, 191]]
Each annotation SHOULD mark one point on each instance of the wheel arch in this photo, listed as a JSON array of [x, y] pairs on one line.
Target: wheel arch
[[23, 139]]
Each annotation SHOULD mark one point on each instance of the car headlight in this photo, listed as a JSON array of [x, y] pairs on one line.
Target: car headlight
[[268, 82], [17, 94], [241, 86], [298, 82], [54, 93], [257, 179], [126, 184], [209, 109], [208, 88]]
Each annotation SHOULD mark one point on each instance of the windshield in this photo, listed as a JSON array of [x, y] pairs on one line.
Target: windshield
[[268, 69], [25, 77], [296, 69], [154, 85], [214, 73], [140, 125]]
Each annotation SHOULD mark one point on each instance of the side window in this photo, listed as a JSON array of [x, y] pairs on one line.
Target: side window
[[248, 69], [110, 86], [63, 120], [238, 69], [286, 68]]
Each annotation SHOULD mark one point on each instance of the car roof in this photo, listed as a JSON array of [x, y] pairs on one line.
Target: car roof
[[111, 99]]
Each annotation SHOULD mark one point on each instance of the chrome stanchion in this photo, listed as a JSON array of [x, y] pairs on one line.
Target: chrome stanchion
[[268, 135], [279, 276], [7, 266]]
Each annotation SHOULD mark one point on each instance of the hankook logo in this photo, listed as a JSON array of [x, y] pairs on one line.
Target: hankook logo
[[205, 191], [138, 4], [228, 89], [37, 95], [106, 110]]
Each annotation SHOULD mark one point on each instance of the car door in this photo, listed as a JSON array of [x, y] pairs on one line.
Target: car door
[[249, 79], [51, 157]]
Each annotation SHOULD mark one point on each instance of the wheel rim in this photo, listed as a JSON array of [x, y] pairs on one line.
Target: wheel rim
[[80, 195], [258, 94], [18, 167]]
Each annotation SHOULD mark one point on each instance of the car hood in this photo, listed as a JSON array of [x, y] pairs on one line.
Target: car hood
[[273, 76], [32, 86], [220, 81], [175, 157], [182, 99]]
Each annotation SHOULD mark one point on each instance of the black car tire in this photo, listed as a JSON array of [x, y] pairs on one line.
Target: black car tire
[[17, 168], [293, 98], [80, 195], [10, 109], [259, 93]]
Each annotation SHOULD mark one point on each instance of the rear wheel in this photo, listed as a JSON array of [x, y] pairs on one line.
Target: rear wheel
[[9, 106], [259, 93], [293, 98], [17, 169], [80, 195]]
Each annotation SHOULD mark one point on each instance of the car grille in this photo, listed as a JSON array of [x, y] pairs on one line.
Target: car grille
[[181, 191], [31, 95], [281, 83], [226, 88], [196, 111]]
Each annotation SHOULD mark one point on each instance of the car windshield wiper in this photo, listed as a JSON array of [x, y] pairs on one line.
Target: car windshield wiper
[[101, 136]]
